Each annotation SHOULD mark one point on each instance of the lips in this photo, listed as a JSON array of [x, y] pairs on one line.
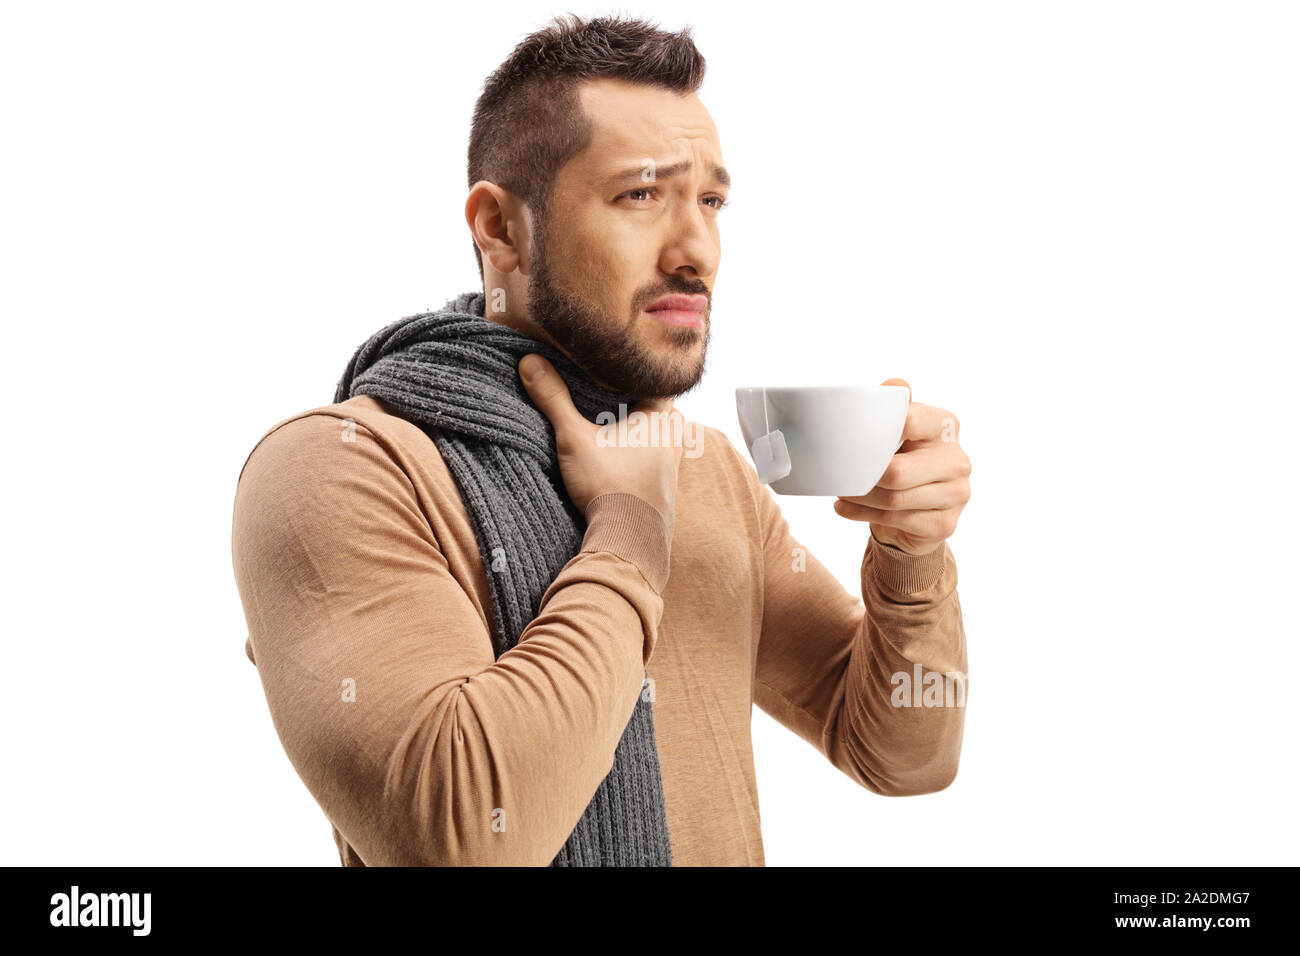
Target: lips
[[683, 310], [680, 303]]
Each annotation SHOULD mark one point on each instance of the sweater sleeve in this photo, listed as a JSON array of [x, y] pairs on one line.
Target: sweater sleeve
[[419, 746], [860, 680]]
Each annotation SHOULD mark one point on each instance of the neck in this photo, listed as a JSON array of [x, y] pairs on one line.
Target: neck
[[534, 331]]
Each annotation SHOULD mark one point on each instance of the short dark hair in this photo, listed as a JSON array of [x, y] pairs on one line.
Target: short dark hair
[[528, 121]]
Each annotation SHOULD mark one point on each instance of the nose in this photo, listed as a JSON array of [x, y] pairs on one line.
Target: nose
[[691, 248]]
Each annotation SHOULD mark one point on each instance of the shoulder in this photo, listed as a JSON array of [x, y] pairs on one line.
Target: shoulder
[[331, 478], [328, 435], [336, 468]]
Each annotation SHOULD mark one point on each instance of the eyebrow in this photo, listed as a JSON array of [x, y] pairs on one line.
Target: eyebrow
[[719, 173]]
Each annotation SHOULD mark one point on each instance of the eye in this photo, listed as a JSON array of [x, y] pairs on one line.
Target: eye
[[721, 202], [630, 192]]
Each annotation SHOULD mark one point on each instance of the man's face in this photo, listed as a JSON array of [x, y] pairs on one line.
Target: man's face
[[632, 218]]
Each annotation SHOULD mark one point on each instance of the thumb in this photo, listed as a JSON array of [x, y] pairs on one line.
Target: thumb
[[899, 381], [546, 388], [902, 381]]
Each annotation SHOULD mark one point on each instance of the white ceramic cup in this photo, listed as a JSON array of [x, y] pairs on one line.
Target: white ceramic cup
[[838, 439]]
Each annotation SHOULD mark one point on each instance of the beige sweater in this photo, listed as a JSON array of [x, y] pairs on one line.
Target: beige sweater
[[367, 603]]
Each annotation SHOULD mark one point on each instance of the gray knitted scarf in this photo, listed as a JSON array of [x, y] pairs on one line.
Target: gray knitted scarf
[[454, 373]]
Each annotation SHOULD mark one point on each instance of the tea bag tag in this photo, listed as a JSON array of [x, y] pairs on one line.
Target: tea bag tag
[[771, 457]]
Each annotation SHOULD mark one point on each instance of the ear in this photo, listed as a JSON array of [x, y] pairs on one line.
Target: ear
[[490, 213]]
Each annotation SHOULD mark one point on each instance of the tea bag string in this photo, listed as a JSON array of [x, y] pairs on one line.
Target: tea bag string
[[767, 429]]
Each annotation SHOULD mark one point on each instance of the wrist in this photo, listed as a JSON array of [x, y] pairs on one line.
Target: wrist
[[904, 572]]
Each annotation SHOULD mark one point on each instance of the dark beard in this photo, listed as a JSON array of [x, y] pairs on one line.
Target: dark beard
[[607, 350]]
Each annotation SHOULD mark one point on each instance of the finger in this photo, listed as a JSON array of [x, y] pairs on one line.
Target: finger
[[926, 422], [546, 388], [899, 381], [923, 524], [920, 466], [932, 495]]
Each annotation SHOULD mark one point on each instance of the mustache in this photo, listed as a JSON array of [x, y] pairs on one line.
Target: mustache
[[680, 288]]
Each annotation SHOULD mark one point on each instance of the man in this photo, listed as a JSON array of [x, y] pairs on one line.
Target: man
[[492, 632]]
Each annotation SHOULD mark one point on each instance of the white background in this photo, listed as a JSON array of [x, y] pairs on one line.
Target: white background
[[1075, 226]]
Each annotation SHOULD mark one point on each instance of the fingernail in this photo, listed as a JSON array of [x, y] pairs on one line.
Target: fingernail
[[530, 368]]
